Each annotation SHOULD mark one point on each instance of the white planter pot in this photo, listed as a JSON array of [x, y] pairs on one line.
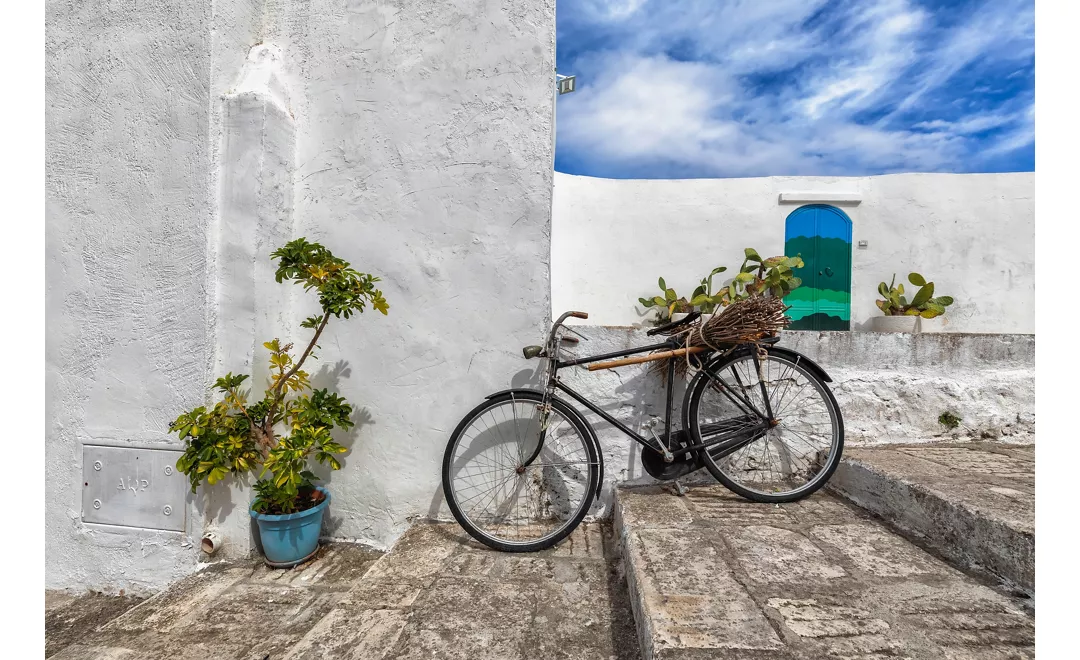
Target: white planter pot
[[936, 324], [894, 323]]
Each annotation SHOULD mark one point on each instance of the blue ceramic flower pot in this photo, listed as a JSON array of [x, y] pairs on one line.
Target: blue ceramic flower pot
[[292, 538]]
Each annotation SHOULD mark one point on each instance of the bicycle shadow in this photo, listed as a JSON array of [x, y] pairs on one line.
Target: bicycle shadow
[[523, 379], [489, 486]]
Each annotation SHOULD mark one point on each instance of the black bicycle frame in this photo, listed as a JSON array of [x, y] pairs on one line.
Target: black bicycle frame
[[742, 436]]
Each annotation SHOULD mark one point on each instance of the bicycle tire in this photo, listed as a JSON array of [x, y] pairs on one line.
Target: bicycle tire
[[699, 386], [550, 540]]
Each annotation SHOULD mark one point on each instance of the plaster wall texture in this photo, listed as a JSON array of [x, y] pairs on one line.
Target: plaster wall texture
[[255, 174], [972, 234], [890, 388], [188, 140], [424, 155], [127, 211]]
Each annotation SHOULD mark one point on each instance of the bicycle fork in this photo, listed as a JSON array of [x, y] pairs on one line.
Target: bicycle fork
[[544, 408]]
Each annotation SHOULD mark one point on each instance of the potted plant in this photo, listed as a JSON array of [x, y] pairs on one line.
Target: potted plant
[[901, 315], [704, 299], [670, 306], [278, 434], [757, 277]]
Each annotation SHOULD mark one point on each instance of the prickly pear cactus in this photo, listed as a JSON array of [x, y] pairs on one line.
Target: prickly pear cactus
[[924, 304]]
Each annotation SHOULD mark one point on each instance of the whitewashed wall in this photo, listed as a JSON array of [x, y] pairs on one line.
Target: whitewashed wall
[[972, 234], [424, 155], [187, 140], [128, 207]]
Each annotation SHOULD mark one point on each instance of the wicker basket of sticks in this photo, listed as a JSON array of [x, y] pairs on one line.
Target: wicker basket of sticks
[[746, 321]]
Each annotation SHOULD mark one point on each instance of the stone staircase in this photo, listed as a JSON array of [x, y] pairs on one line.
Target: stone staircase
[[436, 594], [914, 575], [973, 503], [919, 551]]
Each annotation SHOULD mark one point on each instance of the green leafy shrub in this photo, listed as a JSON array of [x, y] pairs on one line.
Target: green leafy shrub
[[895, 303], [949, 420], [279, 433], [670, 302], [704, 299]]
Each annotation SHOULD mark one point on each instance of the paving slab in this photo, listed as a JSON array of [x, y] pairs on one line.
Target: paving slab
[[972, 502], [436, 594], [712, 575], [71, 617]]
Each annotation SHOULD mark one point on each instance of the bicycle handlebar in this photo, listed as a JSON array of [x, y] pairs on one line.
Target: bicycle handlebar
[[555, 327]]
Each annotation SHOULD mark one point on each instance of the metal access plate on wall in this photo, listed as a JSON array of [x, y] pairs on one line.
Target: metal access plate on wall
[[133, 488]]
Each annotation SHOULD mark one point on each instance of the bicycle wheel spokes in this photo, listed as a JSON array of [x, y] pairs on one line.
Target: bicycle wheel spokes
[[515, 482], [790, 454]]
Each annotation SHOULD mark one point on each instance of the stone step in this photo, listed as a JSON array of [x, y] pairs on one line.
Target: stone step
[[436, 594], [974, 503], [712, 575]]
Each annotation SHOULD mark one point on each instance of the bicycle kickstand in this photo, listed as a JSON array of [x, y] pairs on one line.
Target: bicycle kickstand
[[679, 489]]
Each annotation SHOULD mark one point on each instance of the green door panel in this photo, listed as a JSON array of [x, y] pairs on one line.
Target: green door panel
[[821, 235]]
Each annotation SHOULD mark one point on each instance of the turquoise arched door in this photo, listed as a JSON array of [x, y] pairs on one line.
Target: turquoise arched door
[[821, 235]]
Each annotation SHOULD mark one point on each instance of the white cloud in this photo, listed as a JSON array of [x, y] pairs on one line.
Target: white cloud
[[970, 125], [780, 87], [613, 10]]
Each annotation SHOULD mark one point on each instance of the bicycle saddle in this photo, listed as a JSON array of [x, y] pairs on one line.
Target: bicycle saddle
[[692, 316]]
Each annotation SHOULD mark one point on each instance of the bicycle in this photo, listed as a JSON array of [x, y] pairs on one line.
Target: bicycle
[[522, 469]]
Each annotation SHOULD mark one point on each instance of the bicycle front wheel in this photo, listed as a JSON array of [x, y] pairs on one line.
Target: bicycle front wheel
[[791, 458], [514, 484]]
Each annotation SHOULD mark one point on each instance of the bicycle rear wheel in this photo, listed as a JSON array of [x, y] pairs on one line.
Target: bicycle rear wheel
[[784, 463], [513, 485]]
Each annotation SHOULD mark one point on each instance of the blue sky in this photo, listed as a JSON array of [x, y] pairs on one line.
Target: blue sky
[[729, 88]]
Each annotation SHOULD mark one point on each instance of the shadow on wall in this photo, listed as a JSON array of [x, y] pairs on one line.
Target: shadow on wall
[[524, 379]]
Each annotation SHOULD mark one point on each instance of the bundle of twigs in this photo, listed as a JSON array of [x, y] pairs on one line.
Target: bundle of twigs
[[745, 321]]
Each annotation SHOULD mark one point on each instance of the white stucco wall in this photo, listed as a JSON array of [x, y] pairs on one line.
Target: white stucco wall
[[127, 211], [188, 140], [972, 234], [424, 155]]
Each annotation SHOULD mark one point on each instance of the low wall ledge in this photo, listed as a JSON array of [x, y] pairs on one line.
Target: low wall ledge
[[851, 198]]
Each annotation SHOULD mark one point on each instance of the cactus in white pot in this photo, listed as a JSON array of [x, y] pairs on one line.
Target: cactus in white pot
[[894, 303]]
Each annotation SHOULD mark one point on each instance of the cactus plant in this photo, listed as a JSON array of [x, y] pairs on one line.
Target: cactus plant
[[757, 277], [924, 304], [668, 303]]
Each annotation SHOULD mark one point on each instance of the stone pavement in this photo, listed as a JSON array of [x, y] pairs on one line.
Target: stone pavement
[[972, 502], [712, 575], [69, 618], [708, 575], [436, 594]]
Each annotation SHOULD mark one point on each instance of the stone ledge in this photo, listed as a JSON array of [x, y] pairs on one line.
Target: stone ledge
[[712, 575], [877, 350], [972, 502]]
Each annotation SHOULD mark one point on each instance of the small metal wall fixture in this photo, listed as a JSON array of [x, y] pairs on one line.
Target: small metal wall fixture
[[133, 487]]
